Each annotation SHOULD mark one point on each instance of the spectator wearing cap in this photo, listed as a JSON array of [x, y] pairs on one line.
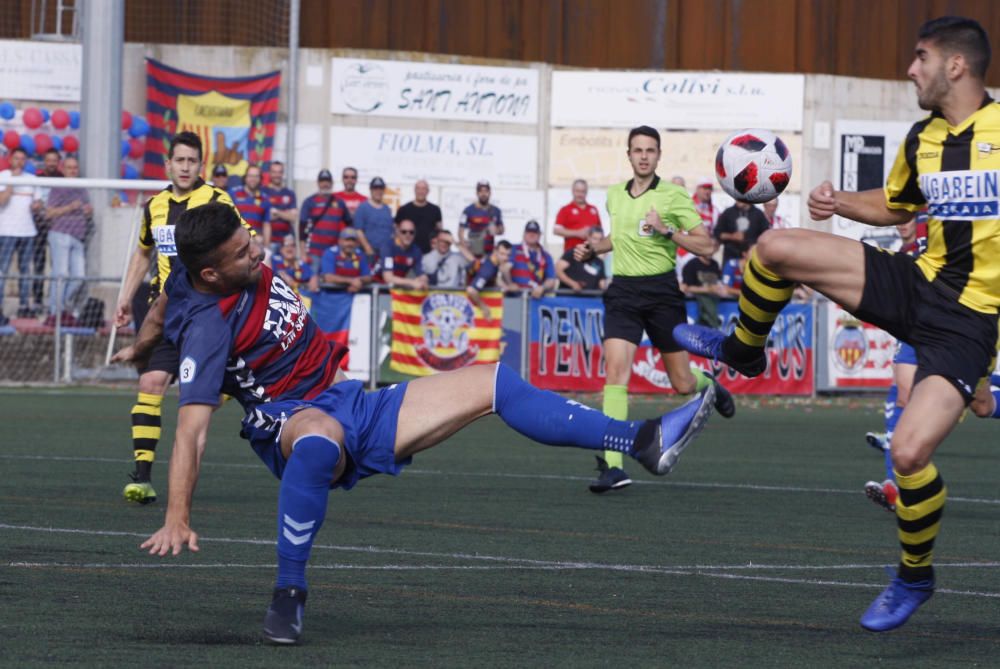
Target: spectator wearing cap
[[577, 275], [575, 220], [250, 199], [220, 177], [283, 205], [425, 215], [444, 266], [402, 261], [373, 219], [703, 203], [350, 197], [323, 218], [289, 266], [343, 267], [532, 267], [480, 223]]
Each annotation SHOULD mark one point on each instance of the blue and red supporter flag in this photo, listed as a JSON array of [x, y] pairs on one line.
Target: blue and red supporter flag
[[235, 117], [332, 312]]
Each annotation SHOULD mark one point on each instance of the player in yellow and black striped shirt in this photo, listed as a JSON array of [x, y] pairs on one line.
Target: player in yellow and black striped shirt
[[944, 304], [187, 190]]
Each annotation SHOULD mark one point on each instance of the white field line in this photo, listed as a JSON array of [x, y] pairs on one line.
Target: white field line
[[549, 477], [502, 563]]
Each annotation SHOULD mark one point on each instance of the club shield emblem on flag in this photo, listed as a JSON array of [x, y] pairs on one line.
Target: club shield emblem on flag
[[850, 345], [439, 331], [222, 123]]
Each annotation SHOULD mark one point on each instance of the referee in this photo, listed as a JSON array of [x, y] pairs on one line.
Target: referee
[[650, 218]]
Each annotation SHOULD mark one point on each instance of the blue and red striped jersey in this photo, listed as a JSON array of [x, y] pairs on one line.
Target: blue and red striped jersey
[[477, 221], [255, 208], [401, 262], [531, 268], [338, 263], [258, 345], [321, 219], [280, 199]]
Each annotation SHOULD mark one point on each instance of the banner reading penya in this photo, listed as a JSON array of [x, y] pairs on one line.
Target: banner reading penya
[[567, 351], [235, 118], [437, 331]]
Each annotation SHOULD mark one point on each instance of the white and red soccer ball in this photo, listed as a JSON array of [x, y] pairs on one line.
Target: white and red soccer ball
[[753, 165]]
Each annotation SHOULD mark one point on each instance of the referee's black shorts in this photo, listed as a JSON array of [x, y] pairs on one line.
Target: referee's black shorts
[[951, 340], [651, 303]]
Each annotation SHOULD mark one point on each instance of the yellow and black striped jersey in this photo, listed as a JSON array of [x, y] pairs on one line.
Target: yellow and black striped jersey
[[954, 171], [159, 218]]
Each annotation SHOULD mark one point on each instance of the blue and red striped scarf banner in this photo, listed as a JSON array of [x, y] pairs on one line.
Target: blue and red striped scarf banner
[[235, 118]]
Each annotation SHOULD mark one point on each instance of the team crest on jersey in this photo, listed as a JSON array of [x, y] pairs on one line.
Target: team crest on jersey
[[447, 320], [850, 345], [286, 315]]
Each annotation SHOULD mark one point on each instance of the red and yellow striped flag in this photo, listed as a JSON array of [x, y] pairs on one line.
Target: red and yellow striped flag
[[436, 331]]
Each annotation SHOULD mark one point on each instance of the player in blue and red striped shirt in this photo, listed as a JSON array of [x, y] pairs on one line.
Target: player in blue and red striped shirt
[[323, 218], [242, 331], [532, 267], [252, 202]]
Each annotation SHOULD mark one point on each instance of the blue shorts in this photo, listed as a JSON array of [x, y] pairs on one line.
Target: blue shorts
[[905, 354], [368, 420]]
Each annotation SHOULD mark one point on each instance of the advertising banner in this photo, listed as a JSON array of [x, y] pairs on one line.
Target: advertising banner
[[859, 355], [436, 331], [402, 156], [683, 100], [567, 353], [443, 91], [40, 70]]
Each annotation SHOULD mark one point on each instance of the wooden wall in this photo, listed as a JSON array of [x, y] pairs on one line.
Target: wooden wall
[[865, 38]]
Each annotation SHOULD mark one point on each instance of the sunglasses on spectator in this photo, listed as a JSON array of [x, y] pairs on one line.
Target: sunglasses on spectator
[[407, 231]]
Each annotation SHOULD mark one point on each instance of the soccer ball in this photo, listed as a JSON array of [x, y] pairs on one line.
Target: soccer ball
[[753, 165]]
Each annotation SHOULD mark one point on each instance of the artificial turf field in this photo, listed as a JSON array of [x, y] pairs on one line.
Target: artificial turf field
[[760, 550]]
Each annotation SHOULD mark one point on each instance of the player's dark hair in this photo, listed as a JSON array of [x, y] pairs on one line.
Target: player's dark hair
[[958, 34], [645, 131], [201, 231], [504, 244], [185, 138]]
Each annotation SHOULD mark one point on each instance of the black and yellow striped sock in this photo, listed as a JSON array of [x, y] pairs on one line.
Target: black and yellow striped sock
[[918, 515], [763, 296], [146, 428]]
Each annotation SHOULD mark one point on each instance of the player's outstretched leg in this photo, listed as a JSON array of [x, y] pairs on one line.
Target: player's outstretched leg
[[763, 296], [551, 419], [302, 498]]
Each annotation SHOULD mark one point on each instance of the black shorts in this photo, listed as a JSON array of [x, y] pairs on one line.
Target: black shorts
[[951, 340], [164, 358], [651, 303]]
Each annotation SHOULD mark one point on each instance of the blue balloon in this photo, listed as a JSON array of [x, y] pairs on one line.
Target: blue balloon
[[7, 110], [130, 172], [45, 115], [124, 148], [30, 168], [57, 142], [28, 143], [74, 120], [139, 127]]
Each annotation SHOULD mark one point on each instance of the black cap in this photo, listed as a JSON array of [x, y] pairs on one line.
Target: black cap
[[377, 183], [482, 183], [532, 226], [324, 175], [220, 171]]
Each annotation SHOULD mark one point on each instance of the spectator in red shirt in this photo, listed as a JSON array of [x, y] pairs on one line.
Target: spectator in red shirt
[[349, 196], [577, 218]]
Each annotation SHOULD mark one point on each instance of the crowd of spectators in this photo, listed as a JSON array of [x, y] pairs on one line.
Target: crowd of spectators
[[348, 240]]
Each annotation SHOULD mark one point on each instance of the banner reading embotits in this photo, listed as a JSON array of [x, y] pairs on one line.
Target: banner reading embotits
[[234, 117], [567, 352], [438, 331]]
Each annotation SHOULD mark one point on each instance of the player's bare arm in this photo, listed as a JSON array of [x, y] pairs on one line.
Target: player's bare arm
[[138, 266], [696, 241], [185, 463], [148, 337], [865, 207]]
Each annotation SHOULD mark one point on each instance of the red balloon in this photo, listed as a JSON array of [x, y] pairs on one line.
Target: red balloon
[[11, 139], [42, 143], [136, 148], [32, 117], [60, 119], [126, 120], [70, 143]]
